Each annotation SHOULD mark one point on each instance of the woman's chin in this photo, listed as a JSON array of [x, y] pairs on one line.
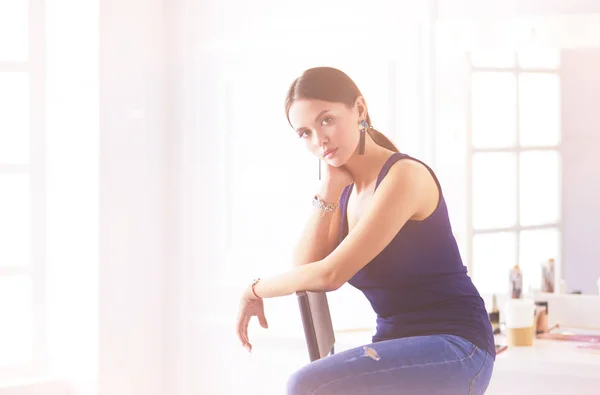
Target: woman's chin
[[334, 162]]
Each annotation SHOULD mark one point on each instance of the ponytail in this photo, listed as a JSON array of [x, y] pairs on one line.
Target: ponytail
[[381, 140]]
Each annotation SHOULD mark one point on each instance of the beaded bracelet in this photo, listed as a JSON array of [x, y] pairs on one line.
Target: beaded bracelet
[[319, 203]]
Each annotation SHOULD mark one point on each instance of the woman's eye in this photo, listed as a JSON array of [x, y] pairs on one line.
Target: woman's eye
[[326, 121], [304, 133]]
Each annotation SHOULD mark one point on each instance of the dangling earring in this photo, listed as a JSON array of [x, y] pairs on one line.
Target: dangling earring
[[364, 126]]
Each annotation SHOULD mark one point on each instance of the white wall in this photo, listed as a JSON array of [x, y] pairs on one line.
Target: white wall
[[581, 168], [177, 116], [108, 196], [72, 192], [133, 198]]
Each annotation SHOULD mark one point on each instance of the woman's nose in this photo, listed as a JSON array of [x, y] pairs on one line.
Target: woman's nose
[[321, 139]]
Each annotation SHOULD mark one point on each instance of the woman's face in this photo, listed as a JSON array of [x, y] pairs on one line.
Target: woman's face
[[330, 130]]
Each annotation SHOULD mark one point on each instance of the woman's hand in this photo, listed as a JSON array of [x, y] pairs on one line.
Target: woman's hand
[[336, 178], [249, 306]]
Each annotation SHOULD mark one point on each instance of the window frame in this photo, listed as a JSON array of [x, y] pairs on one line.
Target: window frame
[[516, 149], [34, 66]]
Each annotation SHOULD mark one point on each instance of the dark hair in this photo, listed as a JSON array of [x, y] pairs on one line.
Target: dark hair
[[333, 85]]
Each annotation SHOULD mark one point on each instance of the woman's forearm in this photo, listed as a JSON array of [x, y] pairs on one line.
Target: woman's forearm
[[316, 277], [316, 242]]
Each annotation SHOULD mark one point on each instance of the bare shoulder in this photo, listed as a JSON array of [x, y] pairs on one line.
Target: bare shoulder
[[410, 170], [415, 179]]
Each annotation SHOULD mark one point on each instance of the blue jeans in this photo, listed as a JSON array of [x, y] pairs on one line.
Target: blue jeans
[[436, 364]]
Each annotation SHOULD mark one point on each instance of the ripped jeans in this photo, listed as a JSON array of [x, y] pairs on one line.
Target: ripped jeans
[[436, 364]]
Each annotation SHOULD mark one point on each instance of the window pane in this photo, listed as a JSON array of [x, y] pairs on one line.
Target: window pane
[[540, 58], [13, 30], [16, 334], [15, 220], [493, 256], [14, 117], [537, 246], [539, 109], [494, 190], [494, 110], [540, 187], [493, 58]]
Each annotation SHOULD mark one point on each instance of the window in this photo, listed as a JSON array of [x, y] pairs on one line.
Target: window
[[21, 188], [515, 166]]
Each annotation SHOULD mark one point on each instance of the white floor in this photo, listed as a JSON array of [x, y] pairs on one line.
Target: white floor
[[226, 368]]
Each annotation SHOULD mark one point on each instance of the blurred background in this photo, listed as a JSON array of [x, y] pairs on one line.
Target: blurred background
[[148, 173]]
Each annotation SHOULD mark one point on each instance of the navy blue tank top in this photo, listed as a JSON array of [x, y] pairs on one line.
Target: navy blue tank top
[[418, 284]]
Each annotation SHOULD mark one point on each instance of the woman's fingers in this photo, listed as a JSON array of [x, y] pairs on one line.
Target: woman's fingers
[[263, 320], [244, 317], [242, 332], [247, 345]]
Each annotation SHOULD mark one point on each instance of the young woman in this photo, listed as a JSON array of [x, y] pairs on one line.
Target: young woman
[[380, 223]]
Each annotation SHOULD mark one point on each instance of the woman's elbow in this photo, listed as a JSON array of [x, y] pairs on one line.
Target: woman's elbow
[[322, 278], [333, 281]]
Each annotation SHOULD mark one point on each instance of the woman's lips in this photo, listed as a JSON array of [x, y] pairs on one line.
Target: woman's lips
[[329, 153]]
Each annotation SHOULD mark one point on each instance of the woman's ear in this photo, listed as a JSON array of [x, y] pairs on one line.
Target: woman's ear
[[361, 107]]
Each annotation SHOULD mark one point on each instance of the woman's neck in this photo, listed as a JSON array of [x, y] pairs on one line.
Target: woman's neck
[[365, 168]]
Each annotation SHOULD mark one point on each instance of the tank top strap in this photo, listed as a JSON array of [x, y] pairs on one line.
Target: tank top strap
[[395, 157]]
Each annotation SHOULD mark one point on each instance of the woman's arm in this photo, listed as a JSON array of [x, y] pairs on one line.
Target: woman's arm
[[316, 277], [320, 235], [409, 191], [406, 191]]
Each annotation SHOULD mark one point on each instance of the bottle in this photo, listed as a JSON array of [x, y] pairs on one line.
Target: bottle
[[548, 276], [495, 316], [516, 282]]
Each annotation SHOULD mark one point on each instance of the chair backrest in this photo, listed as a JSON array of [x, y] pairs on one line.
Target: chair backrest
[[316, 319]]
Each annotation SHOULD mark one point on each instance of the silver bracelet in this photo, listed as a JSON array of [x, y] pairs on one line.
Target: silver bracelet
[[319, 203]]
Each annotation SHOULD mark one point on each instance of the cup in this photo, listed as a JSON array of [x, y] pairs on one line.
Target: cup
[[519, 317]]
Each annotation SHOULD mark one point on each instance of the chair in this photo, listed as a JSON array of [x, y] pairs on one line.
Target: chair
[[316, 320]]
